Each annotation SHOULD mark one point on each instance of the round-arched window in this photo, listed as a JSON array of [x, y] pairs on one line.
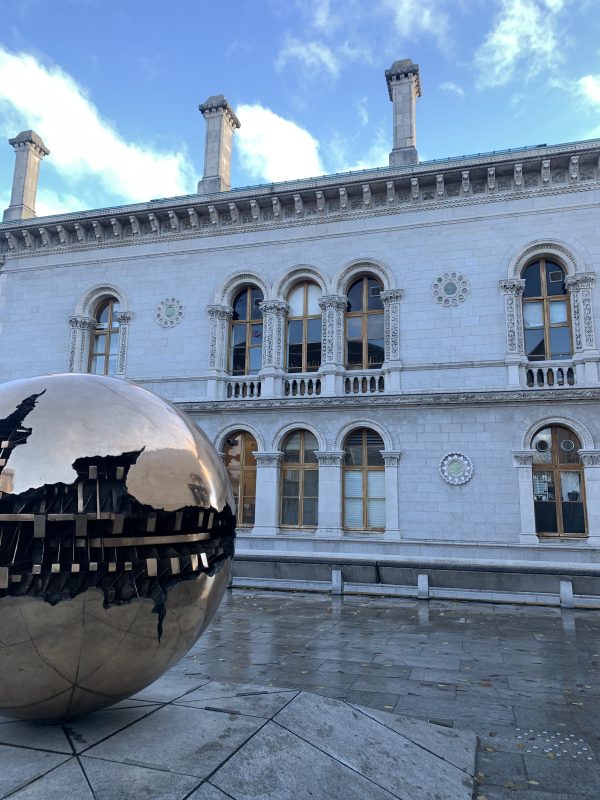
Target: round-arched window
[[240, 463], [558, 485], [245, 341], [364, 481], [304, 328], [299, 481], [364, 325], [546, 312], [104, 343]]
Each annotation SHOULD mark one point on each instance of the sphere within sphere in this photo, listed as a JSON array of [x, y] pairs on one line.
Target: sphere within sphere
[[117, 531]]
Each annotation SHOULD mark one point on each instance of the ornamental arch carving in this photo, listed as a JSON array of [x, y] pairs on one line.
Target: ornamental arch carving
[[93, 296], [303, 272], [219, 440], [282, 432], [569, 256], [362, 266], [526, 436], [363, 423], [227, 291]]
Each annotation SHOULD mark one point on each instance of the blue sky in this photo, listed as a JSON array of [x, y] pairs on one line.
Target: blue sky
[[113, 88]]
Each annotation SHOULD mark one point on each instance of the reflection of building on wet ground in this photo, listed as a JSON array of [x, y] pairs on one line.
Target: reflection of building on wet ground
[[399, 365]]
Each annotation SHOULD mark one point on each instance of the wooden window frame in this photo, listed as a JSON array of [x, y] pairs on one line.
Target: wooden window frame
[[112, 329], [302, 467], [305, 318], [546, 300], [244, 469], [248, 323], [364, 314], [555, 467], [365, 469]]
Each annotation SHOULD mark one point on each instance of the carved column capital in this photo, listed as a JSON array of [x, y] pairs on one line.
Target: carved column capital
[[330, 458], [220, 312], [523, 458], [277, 307], [124, 317], [270, 459], [581, 280], [334, 301], [82, 323], [513, 286], [392, 296], [391, 458], [589, 458]]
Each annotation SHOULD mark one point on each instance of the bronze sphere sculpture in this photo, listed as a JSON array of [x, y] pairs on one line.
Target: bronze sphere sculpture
[[117, 531]]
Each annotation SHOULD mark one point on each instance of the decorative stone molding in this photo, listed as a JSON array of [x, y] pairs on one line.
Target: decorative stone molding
[[590, 458], [544, 248], [456, 469], [391, 458], [343, 279], [267, 459], [274, 314], [226, 293], [124, 319], [330, 458], [169, 312], [575, 425], [363, 423], [219, 317], [333, 308], [303, 272], [523, 458], [391, 300], [298, 425], [513, 290], [580, 287], [220, 438], [98, 293], [79, 340], [450, 289]]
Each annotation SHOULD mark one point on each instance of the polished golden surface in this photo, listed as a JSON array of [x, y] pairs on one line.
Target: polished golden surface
[[116, 538]]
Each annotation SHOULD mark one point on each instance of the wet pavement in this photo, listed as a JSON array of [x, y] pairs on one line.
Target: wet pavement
[[525, 679]]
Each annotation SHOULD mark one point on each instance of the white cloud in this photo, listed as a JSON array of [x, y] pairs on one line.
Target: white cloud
[[363, 110], [525, 35], [314, 57], [85, 148], [588, 88], [272, 148], [376, 156], [449, 86], [414, 17]]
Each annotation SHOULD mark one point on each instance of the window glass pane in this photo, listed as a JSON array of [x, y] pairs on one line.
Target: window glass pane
[[238, 366], [313, 356], [310, 445], [291, 483], [295, 358], [250, 447], [102, 315], [570, 486], [354, 328], [376, 513], [311, 482], [256, 335], [355, 353], [255, 312], [99, 343], [233, 450], [309, 512], [560, 343], [295, 328], [555, 279], [291, 448], [354, 451], [533, 285], [248, 511], [376, 352], [116, 307], [543, 487], [355, 301], [113, 344], [296, 301], [568, 445], [255, 355], [238, 334], [558, 312], [97, 365], [534, 343], [573, 518], [353, 513], [353, 483], [375, 326], [313, 330], [545, 518], [533, 315], [289, 511], [542, 447], [239, 305], [376, 484], [314, 295], [374, 295], [112, 365]]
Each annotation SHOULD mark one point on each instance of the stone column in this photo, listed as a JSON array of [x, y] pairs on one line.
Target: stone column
[[29, 151], [392, 364], [266, 520], [221, 122], [515, 342], [330, 492], [391, 459], [124, 319], [333, 307], [523, 460], [219, 318], [586, 355], [591, 476], [79, 342], [273, 355], [404, 87]]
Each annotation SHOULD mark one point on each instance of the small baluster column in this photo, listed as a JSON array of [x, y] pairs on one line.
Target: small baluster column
[[79, 342], [586, 355], [515, 343], [333, 307], [330, 492], [392, 365], [219, 318], [273, 356], [266, 521]]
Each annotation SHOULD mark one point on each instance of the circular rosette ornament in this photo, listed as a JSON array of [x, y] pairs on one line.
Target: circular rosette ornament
[[456, 469], [116, 537], [169, 312], [450, 289]]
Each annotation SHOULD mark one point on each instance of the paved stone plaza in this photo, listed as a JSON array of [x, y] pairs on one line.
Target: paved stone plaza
[[524, 679]]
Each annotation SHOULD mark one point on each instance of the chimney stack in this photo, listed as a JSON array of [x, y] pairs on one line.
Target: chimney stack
[[221, 122], [404, 87], [29, 151]]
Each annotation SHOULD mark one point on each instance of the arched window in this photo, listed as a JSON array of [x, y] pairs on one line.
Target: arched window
[[364, 325], [304, 328], [546, 312], [104, 342], [245, 344], [241, 467], [364, 481], [558, 486], [299, 481]]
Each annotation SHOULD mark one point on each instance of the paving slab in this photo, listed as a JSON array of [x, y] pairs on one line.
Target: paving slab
[[85, 732], [67, 780], [19, 766], [51, 738], [113, 781]]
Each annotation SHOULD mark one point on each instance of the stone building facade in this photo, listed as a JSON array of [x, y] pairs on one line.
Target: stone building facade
[[405, 358]]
